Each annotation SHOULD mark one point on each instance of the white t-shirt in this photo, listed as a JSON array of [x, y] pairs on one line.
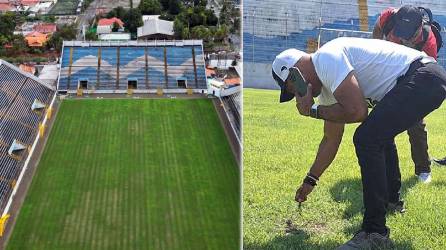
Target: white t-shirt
[[377, 64]]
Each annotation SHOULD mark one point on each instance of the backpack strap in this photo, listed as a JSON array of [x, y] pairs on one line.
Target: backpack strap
[[436, 28], [426, 13], [426, 30]]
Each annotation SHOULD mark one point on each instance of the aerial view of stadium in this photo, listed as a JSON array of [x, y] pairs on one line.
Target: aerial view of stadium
[[285, 146], [127, 151]]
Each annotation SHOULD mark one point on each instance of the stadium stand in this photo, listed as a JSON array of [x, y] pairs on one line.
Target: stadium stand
[[23, 102], [105, 67], [232, 105], [271, 26]]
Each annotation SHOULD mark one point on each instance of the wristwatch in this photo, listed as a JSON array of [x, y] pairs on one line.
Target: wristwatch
[[314, 112]]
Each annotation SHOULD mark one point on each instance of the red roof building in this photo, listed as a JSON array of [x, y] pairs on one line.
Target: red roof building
[[110, 21], [105, 25], [28, 68], [232, 81], [30, 2], [5, 7], [45, 28], [36, 39]]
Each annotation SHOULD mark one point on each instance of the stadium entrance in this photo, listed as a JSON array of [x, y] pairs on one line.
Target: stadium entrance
[[182, 82], [132, 83], [83, 83]]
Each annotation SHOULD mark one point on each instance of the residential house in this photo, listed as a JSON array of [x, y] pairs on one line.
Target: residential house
[[45, 28], [36, 39], [105, 25]]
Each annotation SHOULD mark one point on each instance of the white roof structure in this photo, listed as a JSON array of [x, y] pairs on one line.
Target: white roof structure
[[150, 17], [49, 74], [41, 7], [16, 146], [37, 105], [26, 74], [153, 25], [115, 37]]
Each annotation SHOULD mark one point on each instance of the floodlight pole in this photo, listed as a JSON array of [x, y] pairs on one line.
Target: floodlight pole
[[286, 30], [253, 33]]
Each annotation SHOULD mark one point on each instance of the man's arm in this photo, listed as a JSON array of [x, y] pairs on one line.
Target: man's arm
[[351, 106], [328, 149]]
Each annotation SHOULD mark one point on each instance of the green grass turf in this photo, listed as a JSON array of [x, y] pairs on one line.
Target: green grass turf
[[280, 146], [64, 7], [133, 174]]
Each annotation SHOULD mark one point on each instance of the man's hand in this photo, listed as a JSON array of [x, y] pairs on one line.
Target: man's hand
[[302, 192], [303, 104]]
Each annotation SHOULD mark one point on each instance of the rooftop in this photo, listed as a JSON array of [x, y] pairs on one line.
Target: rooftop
[[110, 21]]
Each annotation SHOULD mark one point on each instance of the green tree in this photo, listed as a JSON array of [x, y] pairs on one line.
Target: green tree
[[49, 19], [236, 26], [90, 35], [221, 33], [178, 28], [118, 12], [174, 7], [202, 3], [133, 20], [7, 24], [115, 27], [211, 18], [164, 4], [167, 17], [19, 44], [150, 7], [66, 32], [201, 32]]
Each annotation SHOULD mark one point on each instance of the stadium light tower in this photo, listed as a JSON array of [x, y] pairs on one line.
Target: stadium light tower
[[253, 33], [286, 29]]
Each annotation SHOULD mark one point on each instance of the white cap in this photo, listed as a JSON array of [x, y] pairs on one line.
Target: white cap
[[286, 60]]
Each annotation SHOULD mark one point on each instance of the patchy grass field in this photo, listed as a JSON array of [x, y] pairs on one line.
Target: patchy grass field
[[280, 146], [64, 7], [133, 174]]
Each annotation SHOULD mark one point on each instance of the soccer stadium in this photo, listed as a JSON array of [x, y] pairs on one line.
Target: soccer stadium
[[280, 145], [125, 151]]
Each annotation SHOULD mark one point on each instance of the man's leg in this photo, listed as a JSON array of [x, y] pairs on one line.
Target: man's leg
[[392, 172], [419, 148], [402, 107]]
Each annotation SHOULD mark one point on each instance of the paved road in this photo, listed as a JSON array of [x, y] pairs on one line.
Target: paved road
[[84, 18]]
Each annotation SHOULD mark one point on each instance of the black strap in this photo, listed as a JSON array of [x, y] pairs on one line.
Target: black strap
[[426, 31], [436, 28]]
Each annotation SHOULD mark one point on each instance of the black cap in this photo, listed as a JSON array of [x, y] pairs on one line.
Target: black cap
[[285, 96], [408, 20]]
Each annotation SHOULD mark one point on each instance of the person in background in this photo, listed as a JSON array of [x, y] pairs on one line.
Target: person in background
[[412, 26]]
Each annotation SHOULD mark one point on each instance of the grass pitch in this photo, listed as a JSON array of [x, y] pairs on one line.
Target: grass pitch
[[133, 174], [279, 148], [64, 7]]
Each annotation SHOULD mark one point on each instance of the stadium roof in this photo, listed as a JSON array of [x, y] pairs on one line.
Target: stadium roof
[[26, 74]]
